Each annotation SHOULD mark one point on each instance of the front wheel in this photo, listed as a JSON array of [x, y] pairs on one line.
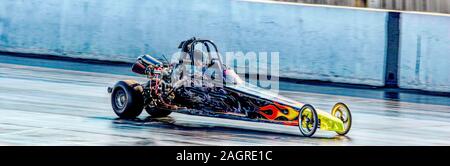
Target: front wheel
[[127, 99], [342, 112], [308, 120]]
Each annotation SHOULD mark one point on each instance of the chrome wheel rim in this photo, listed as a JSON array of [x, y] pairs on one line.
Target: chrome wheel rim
[[120, 99]]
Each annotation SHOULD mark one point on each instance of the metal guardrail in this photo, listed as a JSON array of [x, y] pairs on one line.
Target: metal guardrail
[[437, 6]]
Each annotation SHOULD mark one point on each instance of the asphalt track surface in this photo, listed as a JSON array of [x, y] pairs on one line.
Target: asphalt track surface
[[45, 102]]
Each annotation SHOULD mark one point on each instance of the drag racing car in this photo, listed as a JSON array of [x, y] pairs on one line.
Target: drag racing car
[[198, 83]]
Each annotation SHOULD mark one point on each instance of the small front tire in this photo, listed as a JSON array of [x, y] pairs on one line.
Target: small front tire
[[342, 112], [308, 120]]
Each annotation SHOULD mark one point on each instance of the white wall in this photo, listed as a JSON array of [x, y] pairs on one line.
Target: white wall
[[425, 52], [340, 45], [105, 29], [332, 44]]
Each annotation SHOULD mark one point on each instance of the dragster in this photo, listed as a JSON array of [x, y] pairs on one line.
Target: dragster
[[221, 93]]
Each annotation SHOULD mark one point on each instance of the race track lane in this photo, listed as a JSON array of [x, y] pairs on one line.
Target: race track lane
[[50, 106]]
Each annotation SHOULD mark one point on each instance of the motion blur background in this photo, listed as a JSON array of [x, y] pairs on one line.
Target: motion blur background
[[392, 67], [438, 6], [380, 48]]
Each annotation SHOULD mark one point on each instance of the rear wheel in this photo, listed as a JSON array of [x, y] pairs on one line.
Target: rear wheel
[[127, 99], [342, 112], [155, 112], [308, 120]]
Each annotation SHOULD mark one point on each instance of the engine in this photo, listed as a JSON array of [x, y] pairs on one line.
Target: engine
[[157, 89], [145, 64]]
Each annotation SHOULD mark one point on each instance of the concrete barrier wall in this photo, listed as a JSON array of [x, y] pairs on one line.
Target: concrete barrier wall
[[319, 43], [425, 52], [104, 29], [329, 44]]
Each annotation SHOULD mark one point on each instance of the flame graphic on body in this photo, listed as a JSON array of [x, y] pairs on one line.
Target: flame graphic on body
[[277, 111]]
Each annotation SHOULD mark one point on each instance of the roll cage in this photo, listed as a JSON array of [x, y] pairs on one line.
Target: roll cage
[[188, 47]]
